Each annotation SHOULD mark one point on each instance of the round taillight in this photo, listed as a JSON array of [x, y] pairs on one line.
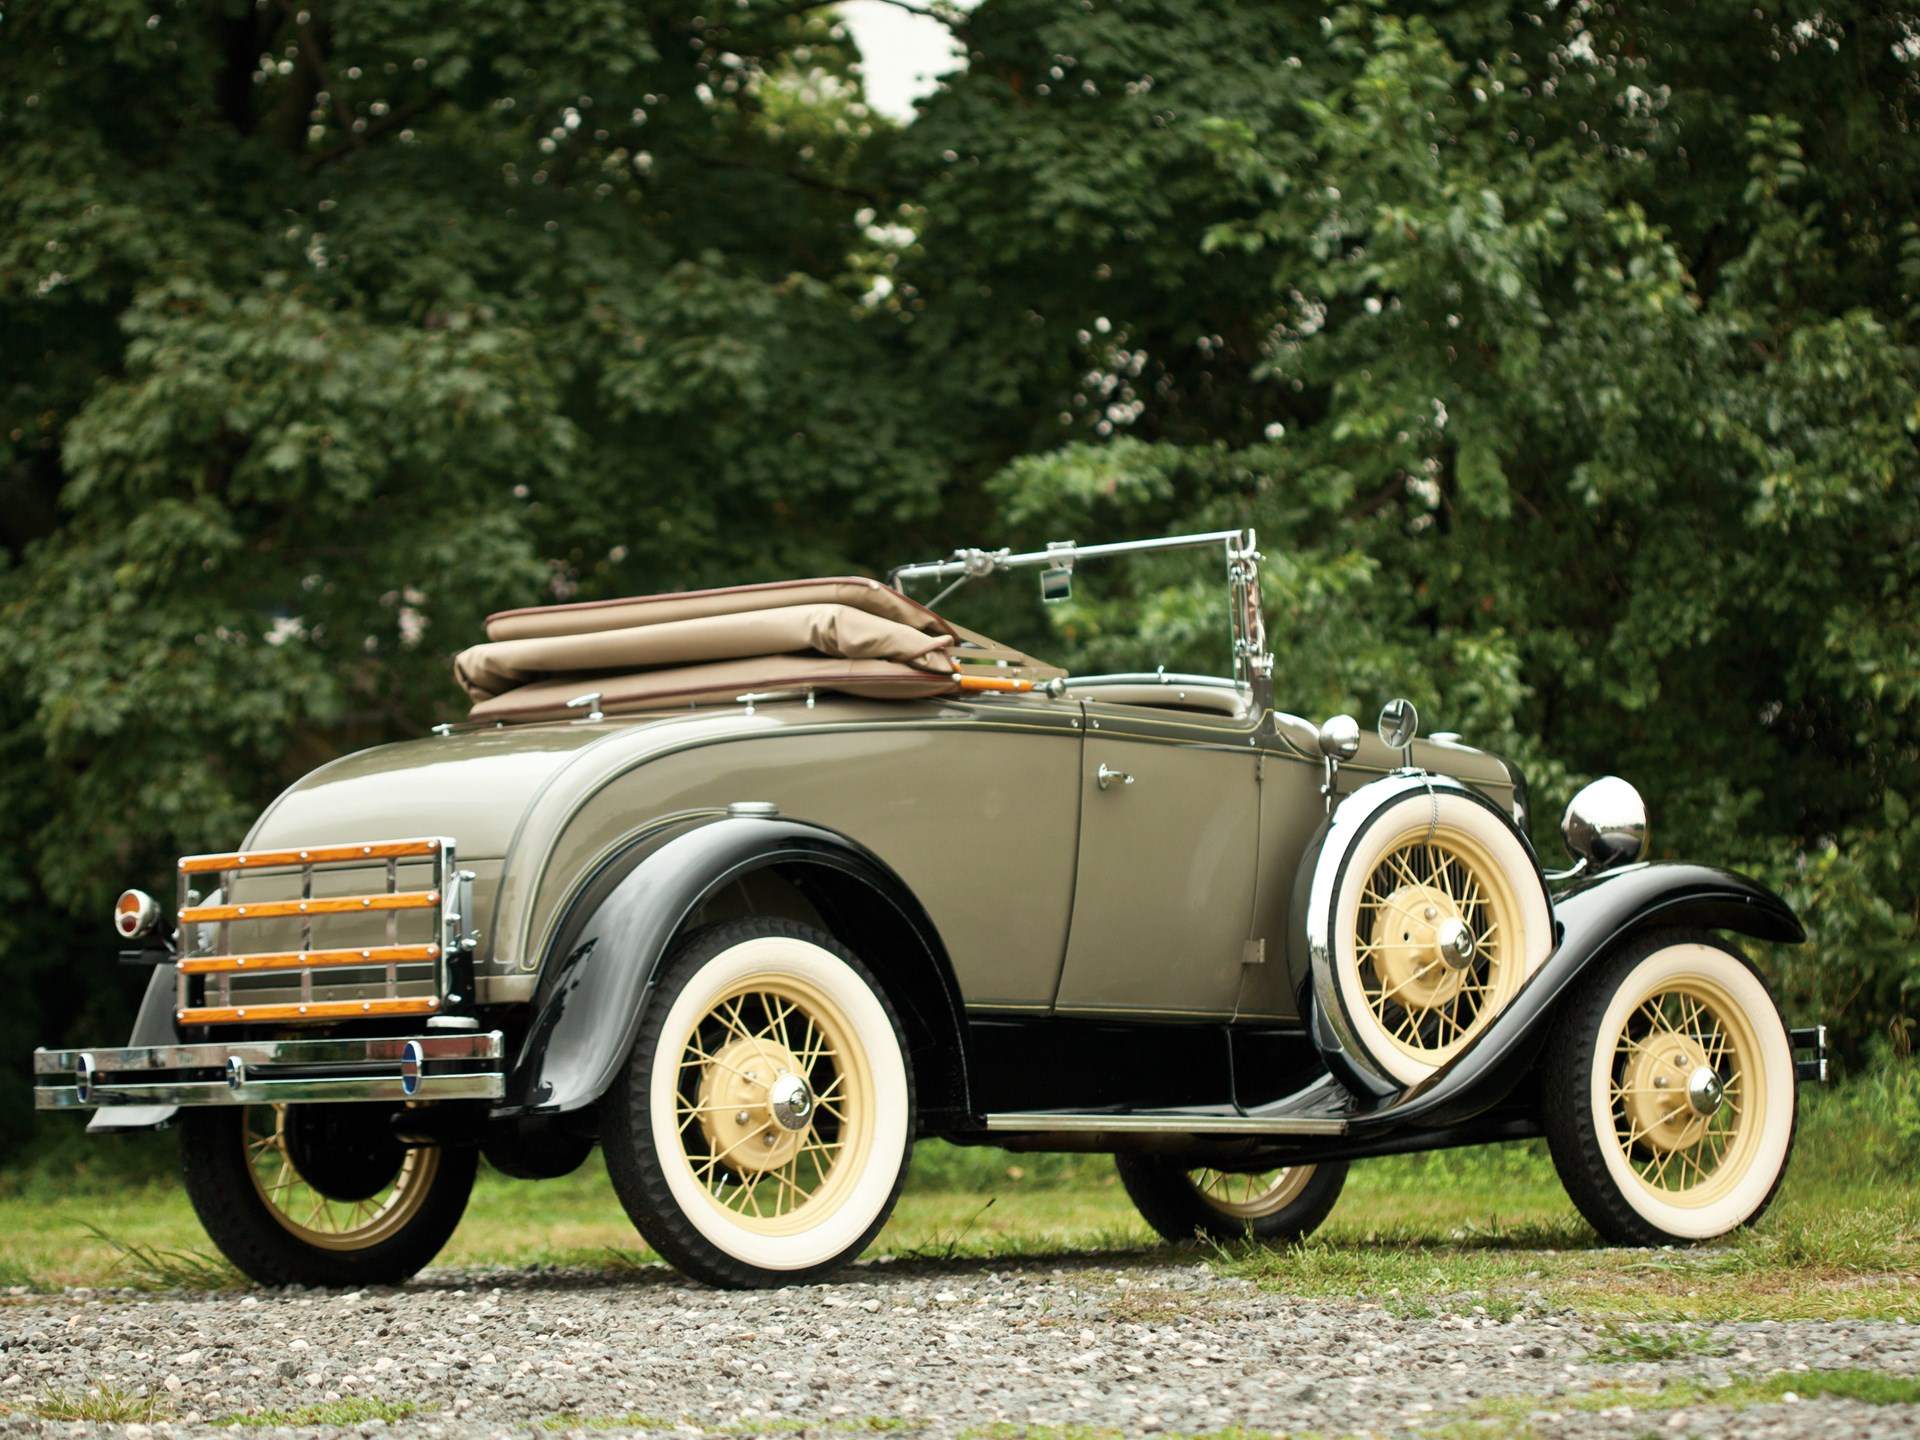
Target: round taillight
[[135, 913]]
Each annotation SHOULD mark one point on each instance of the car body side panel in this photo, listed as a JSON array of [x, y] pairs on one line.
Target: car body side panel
[[473, 785], [1163, 895], [976, 804], [979, 821], [1291, 809]]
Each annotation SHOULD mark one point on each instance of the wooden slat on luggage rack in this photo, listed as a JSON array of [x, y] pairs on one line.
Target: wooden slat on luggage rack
[[313, 1010], [301, 959], [332, 905], [317, 855]]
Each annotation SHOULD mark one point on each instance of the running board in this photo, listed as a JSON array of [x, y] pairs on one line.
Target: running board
[[1322, 1108], [1164, 1122]]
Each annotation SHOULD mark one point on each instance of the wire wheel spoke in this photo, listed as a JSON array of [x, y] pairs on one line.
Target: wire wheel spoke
[[1682, 1132], [755, 1050], [309, 1211]]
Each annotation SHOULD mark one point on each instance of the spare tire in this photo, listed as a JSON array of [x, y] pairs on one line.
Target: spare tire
[[1427, 912]]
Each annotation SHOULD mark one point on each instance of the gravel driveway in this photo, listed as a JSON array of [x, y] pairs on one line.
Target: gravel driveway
[[1141, 1345]]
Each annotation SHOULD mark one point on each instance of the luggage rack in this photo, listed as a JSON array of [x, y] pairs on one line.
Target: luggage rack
[[206, 972]]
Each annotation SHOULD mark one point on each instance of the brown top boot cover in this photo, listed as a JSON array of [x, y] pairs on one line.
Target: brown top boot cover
[[660, 651]]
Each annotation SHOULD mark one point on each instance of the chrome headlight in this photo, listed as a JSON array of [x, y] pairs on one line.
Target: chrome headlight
[[1605, 824]]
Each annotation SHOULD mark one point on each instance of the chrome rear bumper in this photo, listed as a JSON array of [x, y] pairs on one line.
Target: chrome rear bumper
[[276, 1072]]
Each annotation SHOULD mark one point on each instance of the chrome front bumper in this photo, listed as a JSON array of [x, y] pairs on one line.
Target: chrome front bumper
[[276, 1072], [1810, 1053]]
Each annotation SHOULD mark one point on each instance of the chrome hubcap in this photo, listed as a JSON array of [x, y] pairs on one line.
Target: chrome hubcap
[[790, 1101], [1705, 1092], [1454, 941]]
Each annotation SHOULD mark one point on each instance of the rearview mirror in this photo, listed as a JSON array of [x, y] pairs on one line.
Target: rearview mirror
[[1399, 723]]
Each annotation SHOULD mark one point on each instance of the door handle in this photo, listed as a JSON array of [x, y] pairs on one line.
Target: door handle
[[1106, 777]]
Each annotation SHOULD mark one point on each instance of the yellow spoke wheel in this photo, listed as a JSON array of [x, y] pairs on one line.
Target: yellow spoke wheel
[[358, 1206], [1671, 1093], [1432, 916], [1437, 954], [1181, 1201], [1250, 1196], [774, 1104], [321, 1194], [761, 1132]]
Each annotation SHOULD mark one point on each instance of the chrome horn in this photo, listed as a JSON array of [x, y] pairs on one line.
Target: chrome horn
[[1605, 825]]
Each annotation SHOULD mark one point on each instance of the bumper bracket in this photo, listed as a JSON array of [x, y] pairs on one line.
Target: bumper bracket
[[1812, 1065]]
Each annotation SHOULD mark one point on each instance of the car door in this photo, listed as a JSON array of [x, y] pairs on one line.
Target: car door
[[1164, 884]]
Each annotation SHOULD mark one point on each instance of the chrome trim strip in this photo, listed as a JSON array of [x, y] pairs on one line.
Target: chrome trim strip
[[1167, 1123], [1169, 679], [488, 1046], [491, 1085]]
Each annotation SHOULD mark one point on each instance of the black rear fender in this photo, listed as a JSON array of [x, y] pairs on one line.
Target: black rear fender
[[601, 969]]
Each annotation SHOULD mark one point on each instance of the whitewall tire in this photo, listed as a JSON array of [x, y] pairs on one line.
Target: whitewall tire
[[760, 1133], [1671, 1094], [1435, 918]]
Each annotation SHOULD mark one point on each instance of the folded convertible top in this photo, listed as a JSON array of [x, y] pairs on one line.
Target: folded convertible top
[[658, 651]]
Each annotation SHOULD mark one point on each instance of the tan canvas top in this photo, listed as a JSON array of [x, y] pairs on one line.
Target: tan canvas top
[[655, 651], [718, 681], [592, 615]]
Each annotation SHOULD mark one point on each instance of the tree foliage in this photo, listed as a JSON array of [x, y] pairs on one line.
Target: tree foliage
[[1564, 355]]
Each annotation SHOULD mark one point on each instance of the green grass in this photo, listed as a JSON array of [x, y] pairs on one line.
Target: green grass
[[1484, 1231], [1627, 1344], [100, 1402], [850, 1424], [1871, 1387], [147, 1267], [353, 1411]]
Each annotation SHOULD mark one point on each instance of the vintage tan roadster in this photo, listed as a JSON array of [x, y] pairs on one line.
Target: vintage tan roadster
[[753, 887]]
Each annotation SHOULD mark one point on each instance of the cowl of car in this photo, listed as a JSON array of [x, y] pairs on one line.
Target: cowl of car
[[754, 887]]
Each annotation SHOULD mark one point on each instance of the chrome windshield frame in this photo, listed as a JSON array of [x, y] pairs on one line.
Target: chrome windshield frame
[[1252, 661]]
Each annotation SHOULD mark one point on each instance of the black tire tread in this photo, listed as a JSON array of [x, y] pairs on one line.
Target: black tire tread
[[626, 1131], [214, 1167], [1166, 1200]]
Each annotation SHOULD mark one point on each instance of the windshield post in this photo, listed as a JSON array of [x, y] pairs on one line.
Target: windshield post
[[1252, 661]]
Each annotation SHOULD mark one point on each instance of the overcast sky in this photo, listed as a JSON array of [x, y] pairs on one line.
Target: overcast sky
[[903, 54]]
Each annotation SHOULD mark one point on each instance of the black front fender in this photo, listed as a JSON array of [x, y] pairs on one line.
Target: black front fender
[[601, 970], [1591, 917]]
